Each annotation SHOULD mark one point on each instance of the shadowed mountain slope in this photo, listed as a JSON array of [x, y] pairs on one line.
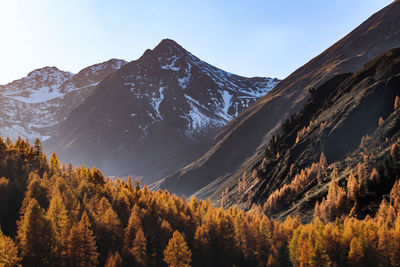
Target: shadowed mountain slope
[[239, 142]]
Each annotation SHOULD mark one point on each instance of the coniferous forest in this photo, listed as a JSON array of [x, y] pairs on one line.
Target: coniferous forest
[[57, 215], [228, 170]]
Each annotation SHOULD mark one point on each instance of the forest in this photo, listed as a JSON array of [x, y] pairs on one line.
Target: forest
[[57, 215]]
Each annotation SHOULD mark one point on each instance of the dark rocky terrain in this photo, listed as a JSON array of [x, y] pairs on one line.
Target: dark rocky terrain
[[351, 119]]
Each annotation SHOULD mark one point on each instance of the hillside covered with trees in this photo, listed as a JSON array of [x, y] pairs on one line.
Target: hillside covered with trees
[[57, 215]]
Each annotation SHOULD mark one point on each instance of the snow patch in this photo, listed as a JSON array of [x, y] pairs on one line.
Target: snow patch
[[157, 101]]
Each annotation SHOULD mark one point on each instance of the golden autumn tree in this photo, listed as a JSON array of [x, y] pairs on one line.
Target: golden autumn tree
[[177, 252], [109, 232], [57, 214], [395, 251], [8, 252], [36, 237], [82, 250], [139, 250], [55, 165], [319, 258], [133, 225], [113, 260]]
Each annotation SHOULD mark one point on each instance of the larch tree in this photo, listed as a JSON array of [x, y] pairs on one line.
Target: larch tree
[[36, 237], [8, 252], [139, 248], [108, 229], [395, 253], [113, 260], [82, 250], [57, 214], [55, 165], [177, 252], [133, 225], [323, 163]]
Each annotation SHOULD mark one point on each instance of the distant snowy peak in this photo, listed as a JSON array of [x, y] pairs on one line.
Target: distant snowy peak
[[49, 73], [40, 85], [33, 105]]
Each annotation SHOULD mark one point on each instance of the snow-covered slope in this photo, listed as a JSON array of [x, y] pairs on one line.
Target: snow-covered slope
[[151, 110], [32, 106]]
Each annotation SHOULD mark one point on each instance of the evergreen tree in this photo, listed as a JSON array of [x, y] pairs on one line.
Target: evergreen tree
[[177, 252], [139, 248], [319, 258], [113, 260], [8, 252], [132, 227], [57, 214], [395, 253], [55, 165], [82, 250], [36, 237]]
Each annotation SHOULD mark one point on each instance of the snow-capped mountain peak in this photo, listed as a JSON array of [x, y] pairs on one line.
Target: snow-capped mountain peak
[[33, 105], [155, 106]]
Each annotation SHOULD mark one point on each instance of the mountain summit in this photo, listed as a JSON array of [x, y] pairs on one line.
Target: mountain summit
[[33, 106], [156, 113]]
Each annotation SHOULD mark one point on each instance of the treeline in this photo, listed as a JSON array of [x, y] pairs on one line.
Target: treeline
[[69, 216]]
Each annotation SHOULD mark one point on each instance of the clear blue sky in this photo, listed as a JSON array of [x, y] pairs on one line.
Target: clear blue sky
[[250, 38]]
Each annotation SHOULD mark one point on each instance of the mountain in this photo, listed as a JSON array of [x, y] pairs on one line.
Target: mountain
[[155, 114], [353, 119], [32, 106], [241, 142]]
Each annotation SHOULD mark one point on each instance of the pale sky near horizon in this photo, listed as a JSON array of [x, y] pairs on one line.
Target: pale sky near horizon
[[249, 38]]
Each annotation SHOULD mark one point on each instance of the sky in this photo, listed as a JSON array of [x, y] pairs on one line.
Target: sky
[[249, 38]]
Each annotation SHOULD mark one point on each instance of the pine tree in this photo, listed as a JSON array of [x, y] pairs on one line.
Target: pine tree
[[55, 165], [57, 214], [319, 258], [323, 163], [108, 229], [356, 252], [352, 187], [177, 252], [113, 260], [132, 227], [395, 253], [36, 237], [82, 250], [139, 248], [8, 252]]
